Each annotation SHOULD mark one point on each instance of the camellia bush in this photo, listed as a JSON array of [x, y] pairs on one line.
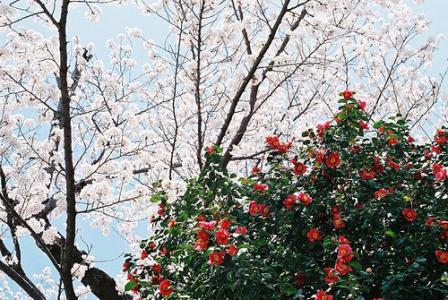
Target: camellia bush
[[347, 212]]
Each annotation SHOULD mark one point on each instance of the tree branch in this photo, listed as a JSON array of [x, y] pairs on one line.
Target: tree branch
[[22, 281], [251, 74]]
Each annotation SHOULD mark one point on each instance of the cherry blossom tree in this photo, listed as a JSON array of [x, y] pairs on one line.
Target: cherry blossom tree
[[88, 136]]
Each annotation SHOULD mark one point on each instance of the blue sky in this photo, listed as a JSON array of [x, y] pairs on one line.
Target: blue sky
[[117, 19]]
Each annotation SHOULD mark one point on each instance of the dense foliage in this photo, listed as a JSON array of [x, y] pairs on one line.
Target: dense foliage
[[347, 212]]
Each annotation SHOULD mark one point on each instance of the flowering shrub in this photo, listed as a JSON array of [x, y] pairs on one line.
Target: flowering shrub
[[349, 213]]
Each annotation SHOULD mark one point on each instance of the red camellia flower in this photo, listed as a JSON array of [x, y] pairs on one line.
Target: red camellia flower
[[210, 149], [359, 205], [131, 277], [165, 288], [345, 253], [207, 225], [443, 235], [443, 224], [410, 214], [344, 250], [321, 128], [305, 198], [200, 245], [363, 125], [430, 221], [343, 240], [436, 168], [222, 237], [274, 143], [355, 149], [331, 275], [290, 201], [264, 210], [256, 170], [299, 169], [440, 175], [362, 105], [299, 279], [261, 187], [417, 175], [335, 209], [321, 295], [143, 254], [346, 259], [241, 230], [367, 174], [427, 154], [442, 257], [232, 250], [136, 288], [381, 193], [125, 266], [338, 222], [216, 258], [202, 234], [440, 138], [314, 235], [347, 94], [377, 166], [320, 156], [254, 208], [342, 268], [156, 268], [156, 279], [393, 165], [333, 160], [225, 224], [435, 149], [392, 141]]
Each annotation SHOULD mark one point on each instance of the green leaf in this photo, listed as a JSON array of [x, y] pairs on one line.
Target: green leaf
[[421, 260], [355, 265], [327, 243], [130, 285], [266, 276], [298, 294], [288, 289], [378, 124], [156, 198], [261, 242], [390, 233]]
